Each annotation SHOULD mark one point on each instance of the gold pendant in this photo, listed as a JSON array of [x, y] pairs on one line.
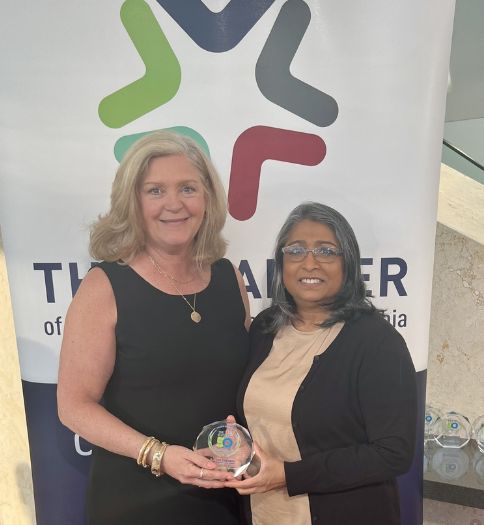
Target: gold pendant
[[196, 317]]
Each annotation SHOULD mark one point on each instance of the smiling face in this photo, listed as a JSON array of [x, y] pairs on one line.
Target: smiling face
[[311, 282], [172, 201]]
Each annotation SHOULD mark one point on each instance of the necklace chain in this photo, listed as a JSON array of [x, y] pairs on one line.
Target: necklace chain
[[166, 274], [195, 316]]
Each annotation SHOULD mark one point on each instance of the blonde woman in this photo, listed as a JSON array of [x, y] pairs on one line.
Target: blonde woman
[[155, 341]]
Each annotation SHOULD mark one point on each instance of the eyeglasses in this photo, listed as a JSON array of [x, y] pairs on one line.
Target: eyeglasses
[[323, 254]]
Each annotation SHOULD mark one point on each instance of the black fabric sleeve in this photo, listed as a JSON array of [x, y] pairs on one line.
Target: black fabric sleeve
[[387, 399]]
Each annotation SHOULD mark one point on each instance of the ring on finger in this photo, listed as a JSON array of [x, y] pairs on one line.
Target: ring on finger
[[201, 474]]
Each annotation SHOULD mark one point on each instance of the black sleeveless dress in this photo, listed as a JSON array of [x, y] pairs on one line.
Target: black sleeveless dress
[[171, 377]]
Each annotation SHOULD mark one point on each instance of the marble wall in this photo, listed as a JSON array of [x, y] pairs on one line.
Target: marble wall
[[456, 346], [455, 377], [16, 492]]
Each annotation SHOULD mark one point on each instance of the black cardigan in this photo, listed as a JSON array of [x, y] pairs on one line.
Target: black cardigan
[[354, 418]]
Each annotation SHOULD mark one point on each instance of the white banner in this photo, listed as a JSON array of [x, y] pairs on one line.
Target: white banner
[[327, 100]]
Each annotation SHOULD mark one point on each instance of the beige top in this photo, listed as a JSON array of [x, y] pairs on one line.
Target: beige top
[[268, 404]]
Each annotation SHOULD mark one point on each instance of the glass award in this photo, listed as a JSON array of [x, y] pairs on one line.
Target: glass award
[[456, 431], [478, 426], [433, 424], [228, 445]]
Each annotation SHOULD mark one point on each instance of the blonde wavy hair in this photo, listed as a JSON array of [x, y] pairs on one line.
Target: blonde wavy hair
[[119, 235]]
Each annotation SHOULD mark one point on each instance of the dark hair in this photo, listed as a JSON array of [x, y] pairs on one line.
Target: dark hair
[[350, 300]]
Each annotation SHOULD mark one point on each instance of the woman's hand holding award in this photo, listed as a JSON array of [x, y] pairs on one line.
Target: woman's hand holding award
[[228, 444]]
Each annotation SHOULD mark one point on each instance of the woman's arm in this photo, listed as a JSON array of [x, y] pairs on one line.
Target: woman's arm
[[387, 396], [86, 364]]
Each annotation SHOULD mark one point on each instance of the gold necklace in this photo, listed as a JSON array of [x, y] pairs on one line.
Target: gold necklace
[[195, 316], [171, 276]]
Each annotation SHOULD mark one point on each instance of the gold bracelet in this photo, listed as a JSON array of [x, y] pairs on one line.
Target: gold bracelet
[[147, 451], [156, 460], [142, 449]]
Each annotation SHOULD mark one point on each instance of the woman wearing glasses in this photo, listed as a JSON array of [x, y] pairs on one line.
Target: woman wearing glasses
[[330, 394]]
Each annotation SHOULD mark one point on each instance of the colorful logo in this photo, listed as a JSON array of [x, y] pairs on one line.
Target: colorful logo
[[217, 33], [225, 441]]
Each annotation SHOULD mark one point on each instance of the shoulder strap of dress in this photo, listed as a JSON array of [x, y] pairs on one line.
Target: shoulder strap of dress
[[115, 272], [223, 267]]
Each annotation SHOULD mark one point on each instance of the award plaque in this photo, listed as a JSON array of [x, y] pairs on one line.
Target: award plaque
[[228, 445], [456, 431], [433, 424]]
